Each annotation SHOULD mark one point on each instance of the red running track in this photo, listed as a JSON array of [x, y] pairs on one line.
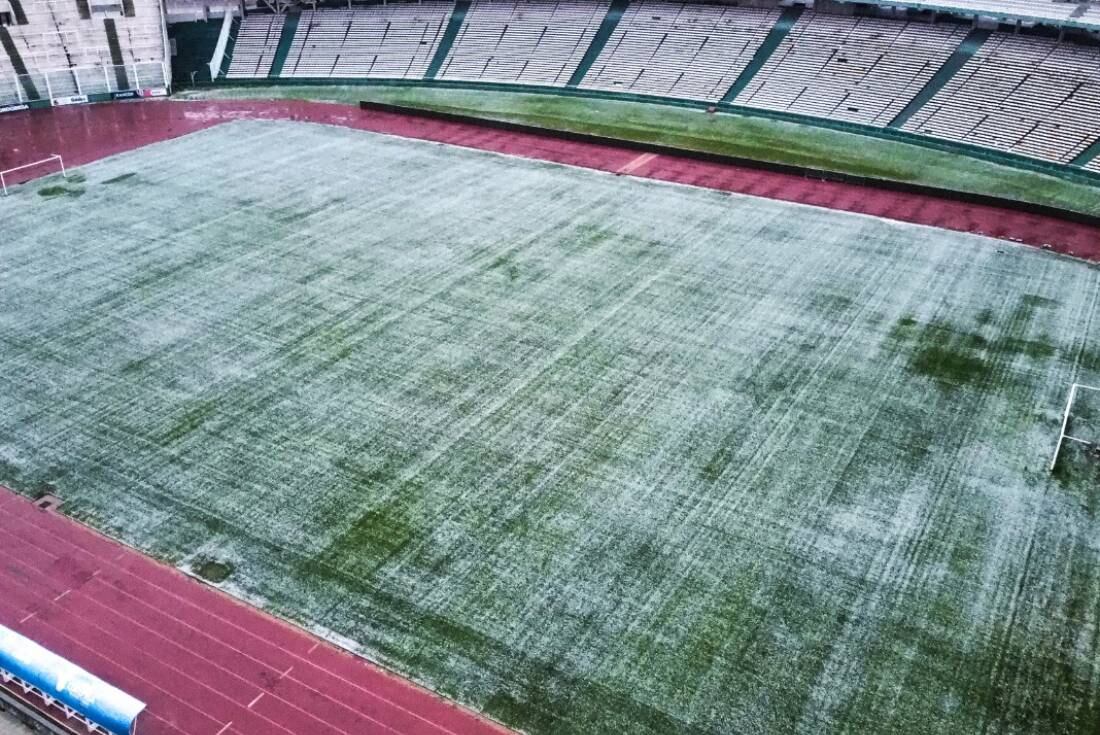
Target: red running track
[[83, 134], [204, 663]]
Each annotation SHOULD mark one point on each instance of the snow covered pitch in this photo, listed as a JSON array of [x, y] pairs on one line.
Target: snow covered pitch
[[591, 453]]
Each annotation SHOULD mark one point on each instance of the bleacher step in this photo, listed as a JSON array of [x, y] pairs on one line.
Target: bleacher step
[[286, 39], [775, 37], [607, 27], [1086, 156], [18, 65], [956, 61], [454, 25]]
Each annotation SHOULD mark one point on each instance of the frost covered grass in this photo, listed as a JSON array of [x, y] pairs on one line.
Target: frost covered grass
[[593, 454]]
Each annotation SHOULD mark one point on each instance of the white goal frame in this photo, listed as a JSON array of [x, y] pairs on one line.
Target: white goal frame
[[32, 164], [1063, 436]]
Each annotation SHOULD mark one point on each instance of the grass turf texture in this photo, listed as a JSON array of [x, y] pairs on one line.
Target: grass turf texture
[[591, 453], [734, 135]]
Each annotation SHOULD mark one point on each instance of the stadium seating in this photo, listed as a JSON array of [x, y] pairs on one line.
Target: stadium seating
[[1019, 93], [539, 42], [57, 36], [254, 51], [1023, 94], [863, 70], [396, 40], [1033, 96], [1054, 13], [72, 48], [680, 49]]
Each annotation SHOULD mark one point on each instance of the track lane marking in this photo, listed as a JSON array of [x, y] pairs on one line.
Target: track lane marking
[[444, 705], [91, 621], [57, 626], [636, 163], [440, 705]]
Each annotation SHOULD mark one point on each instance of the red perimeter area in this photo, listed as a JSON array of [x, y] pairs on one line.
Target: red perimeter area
[[83, 134], [203, 662]]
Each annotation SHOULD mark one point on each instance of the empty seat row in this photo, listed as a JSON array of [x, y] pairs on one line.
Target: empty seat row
[[1020, 94], [255, 47], [537, 42], [1033, 96], [59, 35], [862, 70], [395, 40], [682, 50]]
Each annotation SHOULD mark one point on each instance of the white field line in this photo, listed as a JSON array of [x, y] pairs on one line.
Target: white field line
[[1065, 423], [1062, 436]]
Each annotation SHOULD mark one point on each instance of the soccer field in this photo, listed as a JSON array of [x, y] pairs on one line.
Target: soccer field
[[591, 453]]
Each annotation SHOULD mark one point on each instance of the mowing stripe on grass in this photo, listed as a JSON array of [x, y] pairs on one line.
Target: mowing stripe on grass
[[580, 450]]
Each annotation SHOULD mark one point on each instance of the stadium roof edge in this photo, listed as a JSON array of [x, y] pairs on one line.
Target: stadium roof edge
[[1061, 20]]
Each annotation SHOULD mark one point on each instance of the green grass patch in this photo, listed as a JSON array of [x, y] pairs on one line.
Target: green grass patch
[[56, 190], [212, 571], [744, 136]]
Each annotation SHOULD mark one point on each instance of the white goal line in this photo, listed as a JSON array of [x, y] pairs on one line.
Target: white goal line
[[1062, 436]]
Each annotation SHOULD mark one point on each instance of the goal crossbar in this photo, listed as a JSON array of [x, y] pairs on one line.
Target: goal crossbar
[[1062, 435], [32, 164]]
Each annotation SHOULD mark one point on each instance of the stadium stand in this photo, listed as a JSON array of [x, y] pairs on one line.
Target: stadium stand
[[863, 70], [184, 11], [56, 49], [539, 42], [396, 40], [682, 50], [61, 34], [1062, 13], [958, 79], [254, 52], [1021, 94]]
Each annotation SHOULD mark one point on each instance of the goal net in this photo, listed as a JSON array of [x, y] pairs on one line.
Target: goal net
[[55, 161], [1080, 424]]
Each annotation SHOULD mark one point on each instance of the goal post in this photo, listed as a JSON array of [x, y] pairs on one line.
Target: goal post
[[1076, 413], [54, 158]]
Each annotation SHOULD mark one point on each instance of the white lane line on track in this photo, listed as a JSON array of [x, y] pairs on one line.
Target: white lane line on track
[[637, 163]]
